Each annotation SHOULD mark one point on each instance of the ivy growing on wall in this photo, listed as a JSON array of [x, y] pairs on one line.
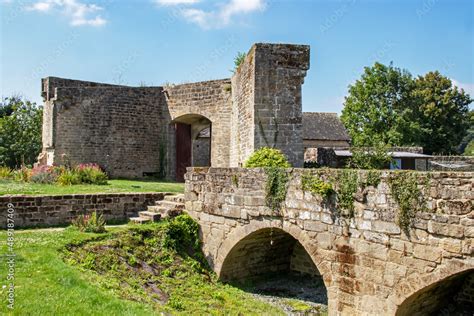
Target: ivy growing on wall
[[276, 187], [348, 183], [406, 192], [372, 178], [315, 185]]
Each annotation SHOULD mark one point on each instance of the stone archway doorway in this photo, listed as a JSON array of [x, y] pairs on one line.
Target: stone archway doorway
[[192, 141]]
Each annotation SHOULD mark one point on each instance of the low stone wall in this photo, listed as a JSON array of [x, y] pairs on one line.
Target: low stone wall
[[455, 163], [370, 266], [51, 210]]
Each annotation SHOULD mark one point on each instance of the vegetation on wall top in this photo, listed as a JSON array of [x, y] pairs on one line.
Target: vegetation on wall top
[[238, 60]]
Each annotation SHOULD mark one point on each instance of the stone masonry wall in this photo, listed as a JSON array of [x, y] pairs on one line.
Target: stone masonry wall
[[119, 128], [242, 117], [50, 210], [209, 99], [125, 129], [368, 264], [280, 70]]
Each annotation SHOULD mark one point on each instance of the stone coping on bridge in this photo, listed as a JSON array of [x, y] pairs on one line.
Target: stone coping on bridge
[[54, 210], [368, 263]]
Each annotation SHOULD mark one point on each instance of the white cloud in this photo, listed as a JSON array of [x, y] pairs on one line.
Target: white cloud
[[175, 2], [78, 12], [235, 7], [219, 17], [468, 87]]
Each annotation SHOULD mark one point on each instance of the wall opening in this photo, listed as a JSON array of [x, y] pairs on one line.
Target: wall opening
[[271, 263], [453, 295], [192, 142]]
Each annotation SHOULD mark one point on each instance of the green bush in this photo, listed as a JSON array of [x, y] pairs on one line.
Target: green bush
[[91, 174], [267, 157], [92, 223], [68, 177], [5, 172], [182, 232]]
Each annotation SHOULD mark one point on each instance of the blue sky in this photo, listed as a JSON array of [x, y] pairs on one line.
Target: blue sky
[[154, 42]]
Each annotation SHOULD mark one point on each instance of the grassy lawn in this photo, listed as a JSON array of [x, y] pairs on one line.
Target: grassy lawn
[[113, 186], [100, 275]]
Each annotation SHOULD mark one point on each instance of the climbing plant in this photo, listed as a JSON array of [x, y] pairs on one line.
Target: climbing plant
[[315, 185], [407, 194], [276, 187], [347, 181], [372, 178]]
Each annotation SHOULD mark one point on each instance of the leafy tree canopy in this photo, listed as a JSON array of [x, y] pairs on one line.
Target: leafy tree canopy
[[388, 105], [20, 132]]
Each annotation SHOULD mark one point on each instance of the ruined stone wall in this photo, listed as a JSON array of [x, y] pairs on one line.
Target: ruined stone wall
[[368, 263], [119, 128], [210, 99], [266, 102], [242, 117], [123, 129], [50, 210], [280, 70]]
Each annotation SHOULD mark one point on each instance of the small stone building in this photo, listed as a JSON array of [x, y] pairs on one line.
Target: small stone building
[[136, 131]]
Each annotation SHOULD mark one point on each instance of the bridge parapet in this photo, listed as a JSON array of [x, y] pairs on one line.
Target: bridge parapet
[[369, 264]]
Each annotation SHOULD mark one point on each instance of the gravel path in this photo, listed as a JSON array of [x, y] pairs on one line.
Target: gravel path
[[294, 294]]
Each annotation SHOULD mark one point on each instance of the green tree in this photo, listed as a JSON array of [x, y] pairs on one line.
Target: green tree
[[379, 107], [20, 132], [469, 150], [442, 113], [387, 105], [375, 157]]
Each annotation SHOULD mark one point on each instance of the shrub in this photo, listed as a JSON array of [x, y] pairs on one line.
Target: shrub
[[182, 232], [267, 157], [92, 223], [5, 172], [68, 177], [23, 174], [91, 174], [44, 174]]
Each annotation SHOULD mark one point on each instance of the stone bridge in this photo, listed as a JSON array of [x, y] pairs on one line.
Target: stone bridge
[[369, 265]]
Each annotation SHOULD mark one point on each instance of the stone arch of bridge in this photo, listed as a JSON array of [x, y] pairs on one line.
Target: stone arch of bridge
[[427, 293], [241, 235]]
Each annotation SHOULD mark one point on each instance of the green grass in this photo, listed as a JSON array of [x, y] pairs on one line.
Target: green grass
[[62, 272], [46, 285], [113, 186]]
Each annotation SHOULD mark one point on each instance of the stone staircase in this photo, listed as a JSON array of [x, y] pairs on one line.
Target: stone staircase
[[170, 206]]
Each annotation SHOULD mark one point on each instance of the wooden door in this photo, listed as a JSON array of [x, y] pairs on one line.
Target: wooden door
[[183, 150]]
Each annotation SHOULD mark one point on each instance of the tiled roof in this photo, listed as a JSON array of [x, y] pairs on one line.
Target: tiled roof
[[323, 126]]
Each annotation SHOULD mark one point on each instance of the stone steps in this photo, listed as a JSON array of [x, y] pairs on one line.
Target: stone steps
[[170, 206]]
